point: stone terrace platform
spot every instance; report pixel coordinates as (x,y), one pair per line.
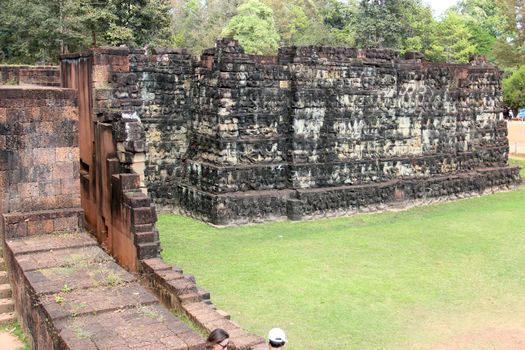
(76,297)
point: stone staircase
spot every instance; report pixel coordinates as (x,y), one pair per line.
(7,306)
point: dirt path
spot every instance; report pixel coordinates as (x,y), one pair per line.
(10,342)
(516,137)
(486,339)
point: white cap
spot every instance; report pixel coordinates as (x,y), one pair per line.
(276,335)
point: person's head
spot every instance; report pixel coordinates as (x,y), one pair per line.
(276,338)
(218,340)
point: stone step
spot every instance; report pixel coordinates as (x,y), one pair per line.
(144,237)
(5,291)
(3,277)
(6,305)
(7,318)
(204,294)
(189,298)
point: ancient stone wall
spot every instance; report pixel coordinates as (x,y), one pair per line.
(34,75)
(237,138)
(120,101)
(38,161)
(164,81)
(112,154)
(320,130)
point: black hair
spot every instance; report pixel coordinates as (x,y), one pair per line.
(217,336)
(276,344)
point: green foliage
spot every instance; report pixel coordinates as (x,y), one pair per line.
(484,22)
(134,22)
(420,29)
(509,48)
(454,40)
(38,30)
(291,17)
(254,27)
(380,24)
(404,25)
(394,280)
(59,299)
(198,24)
(514,89)
(66,289)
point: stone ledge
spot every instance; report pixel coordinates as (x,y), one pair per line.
(18,225)
(259,206)
(76,297)
(34,92)
(50,243)
(179,291)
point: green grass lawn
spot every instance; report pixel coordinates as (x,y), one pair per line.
(395,280)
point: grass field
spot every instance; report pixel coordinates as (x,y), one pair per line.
(449,276)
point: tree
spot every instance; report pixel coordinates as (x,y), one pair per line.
(198,24)
(254,27)
(38,30)
(330,22)
(380,24)
(485,23)
(514,89)
(132,22)
(35,31)
(292,17)
(453,40)
(509,48)
(420,29)
(397,24)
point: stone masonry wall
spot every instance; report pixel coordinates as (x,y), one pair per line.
(122,96)
(319,130)
(112,154)
(34,75)
(38,161)
(164,80)
(237,138)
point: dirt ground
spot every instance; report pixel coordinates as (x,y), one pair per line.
(516,137)
(10,342)
(487,339)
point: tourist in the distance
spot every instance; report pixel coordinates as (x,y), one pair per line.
(506,113)
(276,338)
(218,340)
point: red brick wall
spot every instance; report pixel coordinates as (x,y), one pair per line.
(39,168)
(117,209)
(35,75)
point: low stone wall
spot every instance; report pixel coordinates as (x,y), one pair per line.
(71,295)
(33,75)
(180,292)
(18,225)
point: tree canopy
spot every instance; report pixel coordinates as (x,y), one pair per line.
(514,89)
(37,30)
(254,27)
